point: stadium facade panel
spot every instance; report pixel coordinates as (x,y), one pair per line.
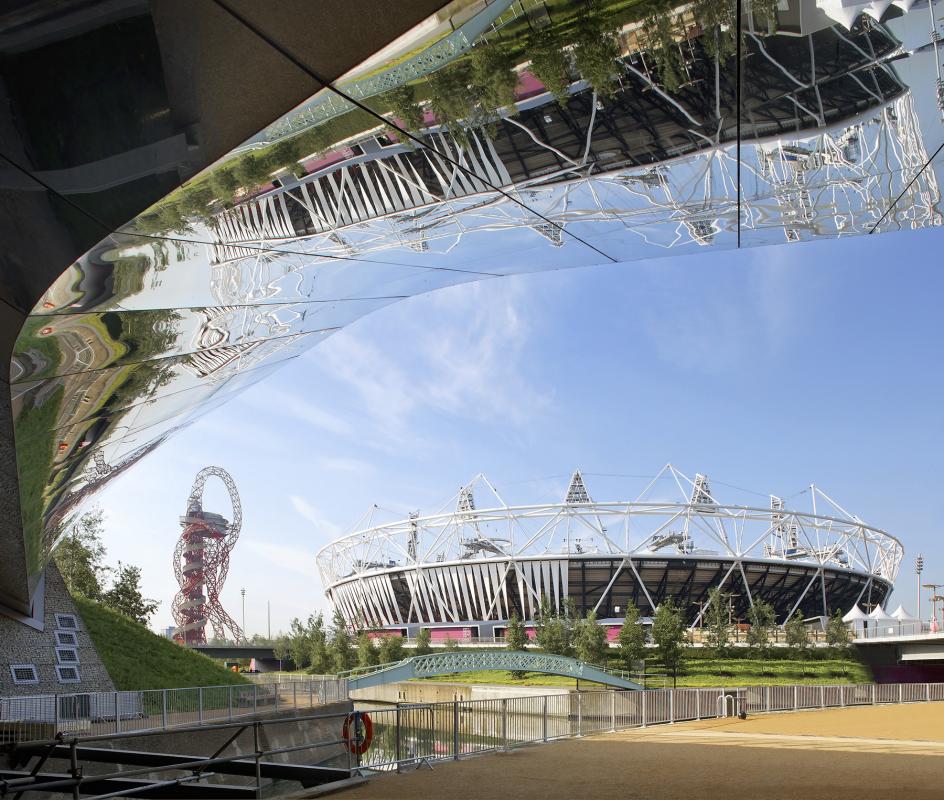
(472,568)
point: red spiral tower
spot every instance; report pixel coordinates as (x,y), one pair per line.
(201,563)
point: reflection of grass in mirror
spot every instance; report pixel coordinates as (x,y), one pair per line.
(35,450)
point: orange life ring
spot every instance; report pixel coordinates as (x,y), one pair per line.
(358,732)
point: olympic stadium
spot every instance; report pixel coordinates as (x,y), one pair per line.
(463,572)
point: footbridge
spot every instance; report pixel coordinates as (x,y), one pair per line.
(427,666)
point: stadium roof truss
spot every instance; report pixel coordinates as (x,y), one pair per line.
(527,544)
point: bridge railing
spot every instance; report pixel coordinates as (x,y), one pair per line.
(893,628)
(97,713)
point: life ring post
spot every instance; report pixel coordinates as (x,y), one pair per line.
(358,733)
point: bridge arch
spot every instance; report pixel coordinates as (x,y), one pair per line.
(432,664)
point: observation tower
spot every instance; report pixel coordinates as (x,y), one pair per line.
(201,563)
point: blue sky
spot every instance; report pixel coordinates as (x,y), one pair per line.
(765,368)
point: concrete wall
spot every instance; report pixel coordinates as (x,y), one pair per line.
(25,644)
(436,692)
(288,731)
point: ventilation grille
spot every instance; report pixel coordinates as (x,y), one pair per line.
(67,655)
(24,674)
(66,639)
(66,674)
(67,621)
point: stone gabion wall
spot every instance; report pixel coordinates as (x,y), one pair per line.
(22,644)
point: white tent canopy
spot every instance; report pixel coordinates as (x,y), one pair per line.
(853,614)
(902,615)
(878,614)
(846,12)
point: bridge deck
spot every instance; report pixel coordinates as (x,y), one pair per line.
(427,666)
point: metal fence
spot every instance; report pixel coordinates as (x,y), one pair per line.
(883,629)
(96,713)
(417,733)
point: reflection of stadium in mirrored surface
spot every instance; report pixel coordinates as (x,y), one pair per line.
(223,281)
(471,567)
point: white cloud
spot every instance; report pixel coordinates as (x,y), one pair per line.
(285,557)
(306,510)
(458,351)
(743,310)
(342,464)
(286,404)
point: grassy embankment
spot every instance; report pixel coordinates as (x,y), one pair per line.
(136,658)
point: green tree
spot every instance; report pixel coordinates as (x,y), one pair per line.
(307,644)
(664,30)
(343,656)
(423,643)
(195,199)
(761,616)
(224,183)
(553,630)
(281,647)
(590,644)
(391,649)
(668,632)
(401,103)
(453,101)
(516,639)
(838,634)
(367,655)
(125,595)
(80,556)
(452,644)
(596,50)
(631,639)
(493,77)
(252,171)
(549,62)
(715,617)
(283,155)
(319,656)
(798,637)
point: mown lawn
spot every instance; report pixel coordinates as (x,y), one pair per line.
(138,659)
(756,672)
(704,672)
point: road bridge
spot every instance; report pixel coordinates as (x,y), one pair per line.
(266,660)
(427,666)
(900,653)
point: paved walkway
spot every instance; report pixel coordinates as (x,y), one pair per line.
(887,752)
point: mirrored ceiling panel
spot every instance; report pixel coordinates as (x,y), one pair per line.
(497,138)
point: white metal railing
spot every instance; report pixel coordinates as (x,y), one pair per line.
(893,628)
(96,713)
(425,732)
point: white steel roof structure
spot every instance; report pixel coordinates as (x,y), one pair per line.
(484,560)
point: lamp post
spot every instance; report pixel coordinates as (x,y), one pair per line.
(919,568)
(243,593)
(935,597)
